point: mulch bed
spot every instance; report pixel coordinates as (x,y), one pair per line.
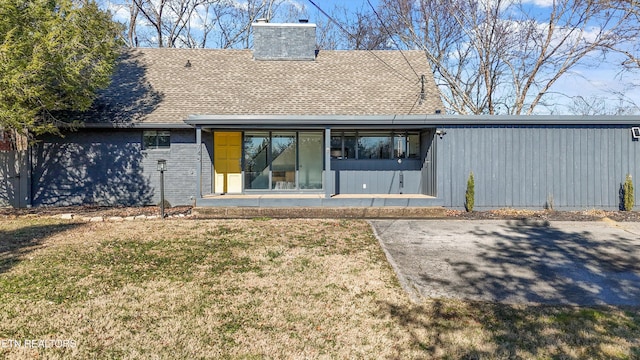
(88,210)
(550,215)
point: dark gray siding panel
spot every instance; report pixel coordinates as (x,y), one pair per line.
(109,167)
(377,182)
(530,167)
(14,178)
(377,176)
(428,148)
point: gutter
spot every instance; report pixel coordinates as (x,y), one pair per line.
(377,121)
(134,126)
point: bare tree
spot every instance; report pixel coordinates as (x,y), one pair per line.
(498,56)
(630,51)
(168,18)
(342,29)
(199,23)
(235,24)
(328,34)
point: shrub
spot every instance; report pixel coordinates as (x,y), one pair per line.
(470,195)
(550,204)
(627,194)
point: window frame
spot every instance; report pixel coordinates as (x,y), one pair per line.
(156,135)
(408,138)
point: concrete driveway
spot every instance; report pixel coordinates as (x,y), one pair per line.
(526,262)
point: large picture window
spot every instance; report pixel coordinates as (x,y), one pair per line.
(375,145)
(152,139)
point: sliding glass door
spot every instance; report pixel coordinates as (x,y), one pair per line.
(283,160)
(256,160)
(310,160)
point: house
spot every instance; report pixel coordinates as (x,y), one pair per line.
(251,122)
(287,125)
(14,174)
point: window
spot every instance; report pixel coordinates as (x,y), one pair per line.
(310,160)
(399,146)
(343,145)
(375,145)
(350,145)
(406,146)
(256,160)
(156,139)
(283,160)
(413,146)
(336,147)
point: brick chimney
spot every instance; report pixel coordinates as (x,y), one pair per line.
(273,41)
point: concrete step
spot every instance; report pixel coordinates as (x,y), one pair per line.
(387,212)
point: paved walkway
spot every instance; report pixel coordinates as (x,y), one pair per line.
(527,262)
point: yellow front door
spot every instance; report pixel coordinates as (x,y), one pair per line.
(227,150)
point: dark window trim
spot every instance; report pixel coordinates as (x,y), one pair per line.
(156,143)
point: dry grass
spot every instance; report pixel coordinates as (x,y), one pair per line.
(259,289)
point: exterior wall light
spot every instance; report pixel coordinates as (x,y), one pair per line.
(162,165)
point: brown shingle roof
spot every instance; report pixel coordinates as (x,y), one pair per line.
(155,86)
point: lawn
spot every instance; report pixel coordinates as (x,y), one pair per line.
(260,288)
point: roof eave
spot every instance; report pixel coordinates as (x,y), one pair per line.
(136,125)
(426,121)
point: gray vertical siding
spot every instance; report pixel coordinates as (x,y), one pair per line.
(379,176)
(428,177)
(575,167)
(14,178)
(109,167)
(527,166)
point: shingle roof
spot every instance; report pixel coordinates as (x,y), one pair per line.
(155,86)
